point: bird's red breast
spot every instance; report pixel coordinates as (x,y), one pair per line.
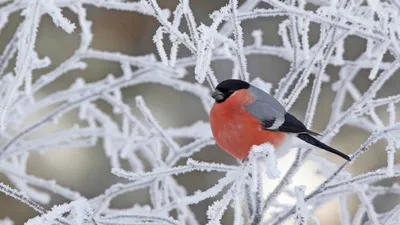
(235,130)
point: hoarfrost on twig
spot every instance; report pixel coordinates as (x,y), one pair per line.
(152,152)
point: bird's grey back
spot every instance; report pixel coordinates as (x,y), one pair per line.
(266,108)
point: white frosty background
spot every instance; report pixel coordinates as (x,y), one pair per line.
(117,26)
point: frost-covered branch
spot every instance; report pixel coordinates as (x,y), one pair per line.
(149,156)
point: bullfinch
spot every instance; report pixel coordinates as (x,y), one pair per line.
(244,115)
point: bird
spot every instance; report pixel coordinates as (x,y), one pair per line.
(243,115)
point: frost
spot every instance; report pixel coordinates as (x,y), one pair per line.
(6,221)
(262,85)
(302,213)
(152,154)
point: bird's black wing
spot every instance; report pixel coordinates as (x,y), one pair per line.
(292,125)
(273,115)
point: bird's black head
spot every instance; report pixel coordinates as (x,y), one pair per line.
(227,87)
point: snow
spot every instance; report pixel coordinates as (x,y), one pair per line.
(139,131)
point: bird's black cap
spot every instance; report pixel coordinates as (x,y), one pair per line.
(227,87)
(232,85)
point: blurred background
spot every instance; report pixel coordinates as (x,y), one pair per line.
(88,170)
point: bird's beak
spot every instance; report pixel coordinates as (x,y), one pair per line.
(218,96)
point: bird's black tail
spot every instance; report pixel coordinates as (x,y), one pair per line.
(311,140)
(313,133)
